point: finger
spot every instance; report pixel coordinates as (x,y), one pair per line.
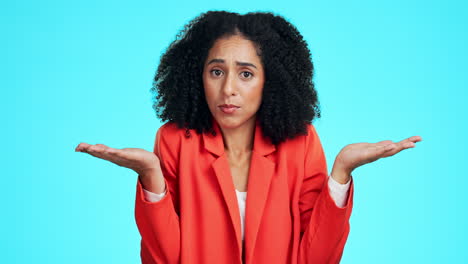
(382,149)
(409,142)
(415,139)
(105,152)
(95,150)
(109,153)
(82,147)
(384,146)
(394,148)
(385,142)
(388,148)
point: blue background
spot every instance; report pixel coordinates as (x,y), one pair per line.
(80,71)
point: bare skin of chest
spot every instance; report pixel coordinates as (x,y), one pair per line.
(239,166)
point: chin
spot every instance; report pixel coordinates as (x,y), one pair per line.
(231,122)
(226,123)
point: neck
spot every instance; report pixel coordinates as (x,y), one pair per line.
(239,140)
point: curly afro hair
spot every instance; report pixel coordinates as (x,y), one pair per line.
(289,100)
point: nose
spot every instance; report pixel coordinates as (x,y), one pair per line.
(229,86)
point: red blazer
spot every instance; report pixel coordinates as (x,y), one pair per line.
(290,216)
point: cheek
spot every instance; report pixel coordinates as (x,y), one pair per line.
(254,101)
(256,94)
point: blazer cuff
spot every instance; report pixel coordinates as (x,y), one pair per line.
(153,197)
(149,198)
(330,202)
(339,192)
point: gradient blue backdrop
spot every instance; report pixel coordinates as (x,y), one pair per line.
(81,72)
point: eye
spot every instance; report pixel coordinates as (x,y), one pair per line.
(216,72)
(246,74)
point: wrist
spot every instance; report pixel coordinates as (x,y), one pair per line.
(152,181)
(340,175)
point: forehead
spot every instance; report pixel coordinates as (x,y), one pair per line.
(234,47)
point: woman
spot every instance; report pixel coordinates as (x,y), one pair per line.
(237,91)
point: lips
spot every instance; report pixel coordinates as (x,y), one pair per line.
(228,105)
(228,108)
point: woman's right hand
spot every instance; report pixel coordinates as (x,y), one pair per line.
(143,162)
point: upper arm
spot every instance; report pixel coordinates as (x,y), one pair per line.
(315,175)
(324,226)
(166,147)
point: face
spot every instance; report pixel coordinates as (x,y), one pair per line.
(233,80)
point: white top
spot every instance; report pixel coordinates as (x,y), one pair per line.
(338,191)
(241,197)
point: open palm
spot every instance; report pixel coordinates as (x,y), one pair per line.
(358,154)
(139,160)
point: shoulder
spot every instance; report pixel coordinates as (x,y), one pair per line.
(172,143)
(302,147)
(312,135)
(309,137)
(314,152)
(171,137)
(170,130)
(168,139)
(312,139)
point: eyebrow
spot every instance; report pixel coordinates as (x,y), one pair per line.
(239,63)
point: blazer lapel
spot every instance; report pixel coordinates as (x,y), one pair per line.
(260,173)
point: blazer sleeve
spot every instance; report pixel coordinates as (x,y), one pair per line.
(324,225)
(158,222)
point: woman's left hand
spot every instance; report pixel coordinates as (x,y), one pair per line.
(355,155)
